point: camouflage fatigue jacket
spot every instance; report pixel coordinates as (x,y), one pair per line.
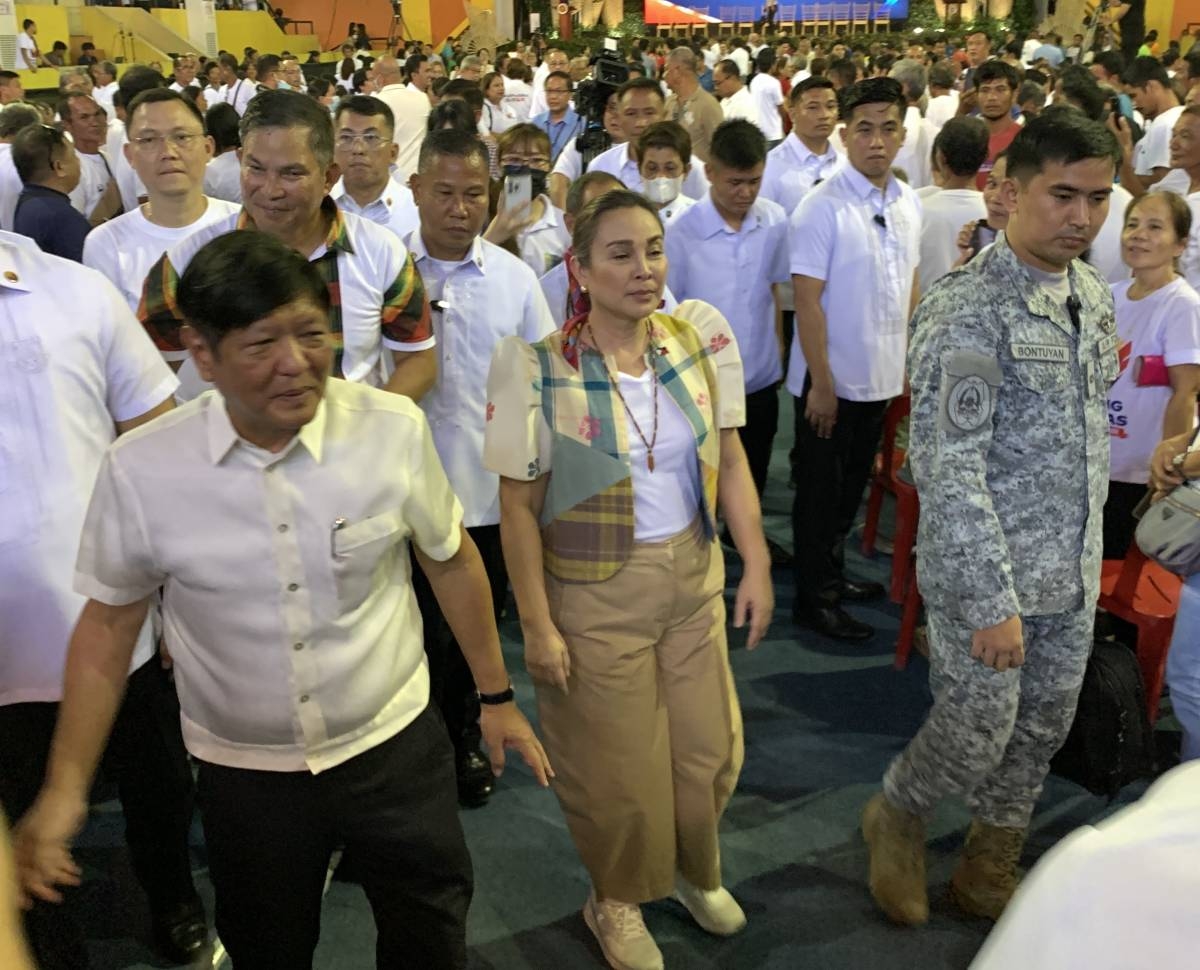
(1009,439)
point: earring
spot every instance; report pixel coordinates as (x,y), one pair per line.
(583,289)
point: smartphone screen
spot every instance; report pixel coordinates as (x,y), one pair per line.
(518,191)
(984,235)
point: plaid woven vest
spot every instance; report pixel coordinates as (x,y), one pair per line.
(588,517)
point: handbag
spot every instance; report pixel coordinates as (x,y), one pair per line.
(1169,530)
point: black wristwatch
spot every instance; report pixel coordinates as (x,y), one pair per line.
(502,698)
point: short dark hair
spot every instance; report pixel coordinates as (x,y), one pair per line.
(587,222)
(874,90)
(1080,87)
(157,96)
(366,106)
(1061,135)
(764,60)
(267,64)
(64,103)
(291,109)
(738,144)
(16,116)
(845,71)
(241,277)
(561,75)
(33,151)
(318,87)
(1143,70)
(940,76)
(666,134)
(222,120)
(997,71)
(1112,62)
(451,143)
(413,64)
(454,113)
(468,91)
(808,84)
(136,80)
(729,68)
(963,143)
(26,23)
(581,185)
(639,84)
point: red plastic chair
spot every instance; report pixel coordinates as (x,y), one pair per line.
(886,478)
(1143,593)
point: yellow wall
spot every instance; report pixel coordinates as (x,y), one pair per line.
(237,30)
(1160,13)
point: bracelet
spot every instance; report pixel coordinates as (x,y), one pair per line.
(503,697)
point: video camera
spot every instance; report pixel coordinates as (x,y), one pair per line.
(609,72)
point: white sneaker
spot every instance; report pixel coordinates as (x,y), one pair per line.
(714,909)
(623,937)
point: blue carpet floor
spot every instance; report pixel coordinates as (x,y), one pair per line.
(822,721)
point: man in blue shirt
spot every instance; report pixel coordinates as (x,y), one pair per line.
(49,170)
(1050,51)
(561,122)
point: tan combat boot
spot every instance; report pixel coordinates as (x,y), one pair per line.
(896,843)
(986,876)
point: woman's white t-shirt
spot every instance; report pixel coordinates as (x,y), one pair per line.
(1164,324)
(666,500)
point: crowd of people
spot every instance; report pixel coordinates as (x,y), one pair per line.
(357,357)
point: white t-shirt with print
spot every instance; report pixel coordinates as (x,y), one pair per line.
(1164,324)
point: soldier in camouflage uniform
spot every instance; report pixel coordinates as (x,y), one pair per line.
(1009,362)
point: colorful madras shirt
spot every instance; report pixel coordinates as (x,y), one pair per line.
(376,296)
(548,416)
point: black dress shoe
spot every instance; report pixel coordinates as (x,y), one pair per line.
(832,621)
(475,779)
(853,591)
(181,932)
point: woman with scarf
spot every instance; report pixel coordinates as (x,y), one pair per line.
(615,439)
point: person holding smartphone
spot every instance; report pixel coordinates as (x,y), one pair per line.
(1158,320)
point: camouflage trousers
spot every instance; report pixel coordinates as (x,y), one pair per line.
(990,736)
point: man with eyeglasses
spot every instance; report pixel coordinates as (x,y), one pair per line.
(559,121)
(169,151)
(538,230)
(49,171)
(364,151)
(736,99)
(555,61)
(379,315)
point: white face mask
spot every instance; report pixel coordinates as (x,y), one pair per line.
(662,191)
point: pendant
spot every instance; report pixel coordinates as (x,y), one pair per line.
(650,460)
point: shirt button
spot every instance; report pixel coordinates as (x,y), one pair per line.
(303,698)
(297,646)
(292,587)
(282,528)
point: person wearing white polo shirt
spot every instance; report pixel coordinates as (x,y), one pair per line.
(169,151)
(364,151)
(184,68)
(104,86)
(467,279)
(730,249)
(853,244)
(1148,161)
(379,314)
(278,513)
(410,111)
(736,99)
(807,156)
(768,97)
(235,89)
(640,103)
(77,380)
(133,82)
(959,149)
(538,232)
(223,173)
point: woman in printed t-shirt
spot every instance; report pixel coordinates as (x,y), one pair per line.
(616,442)
(1158,322)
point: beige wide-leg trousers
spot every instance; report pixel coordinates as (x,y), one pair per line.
(647,745)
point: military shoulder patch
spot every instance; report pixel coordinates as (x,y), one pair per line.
(969,383)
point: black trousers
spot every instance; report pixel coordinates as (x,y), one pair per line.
(147,760)
(1119,524)
(758,433)
(270,836)
(450,683)
(830,475)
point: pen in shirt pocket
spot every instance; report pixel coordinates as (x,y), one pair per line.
(338,524)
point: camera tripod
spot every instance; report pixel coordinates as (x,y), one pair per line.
(399,30)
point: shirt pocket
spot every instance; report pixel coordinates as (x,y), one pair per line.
(1042,377)
(362,553)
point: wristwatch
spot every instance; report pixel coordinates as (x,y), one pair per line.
(502,698)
